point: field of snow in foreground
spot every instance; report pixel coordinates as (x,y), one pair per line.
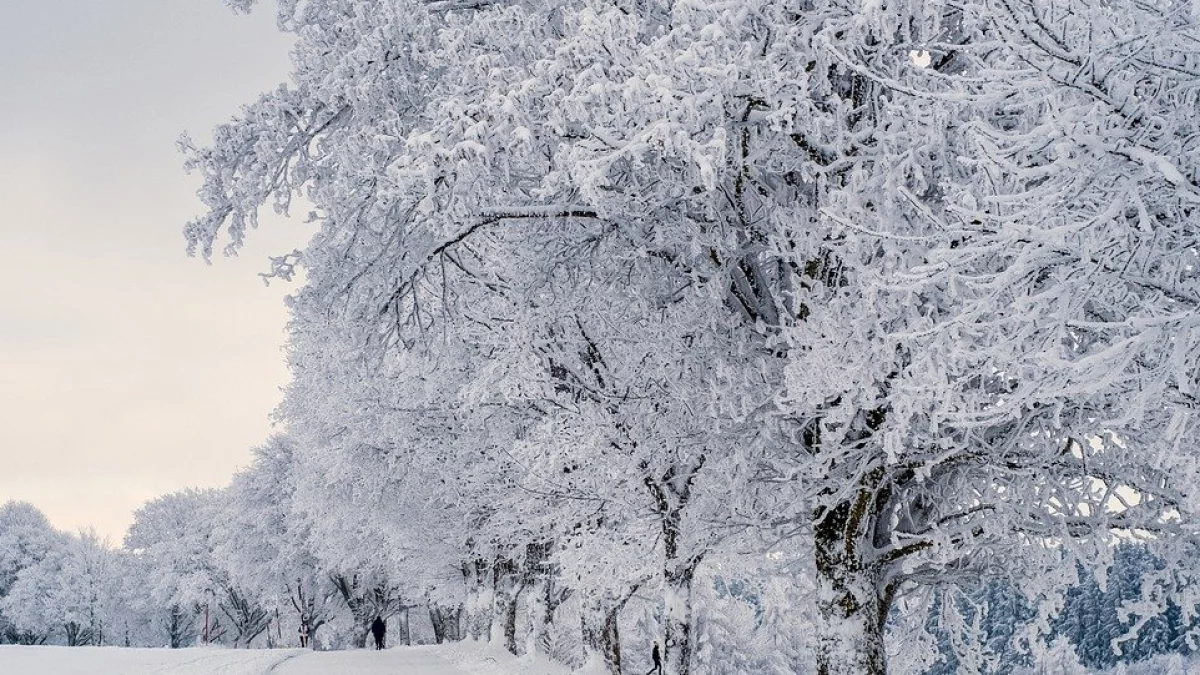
(464,658)
(19,660)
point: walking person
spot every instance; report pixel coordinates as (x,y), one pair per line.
(379,631)
(656,657)
(303,633)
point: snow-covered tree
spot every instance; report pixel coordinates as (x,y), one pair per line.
(265,543)
(26,538)
(937,261)
(138,620)
(176,535)
(167,535)
(72,591)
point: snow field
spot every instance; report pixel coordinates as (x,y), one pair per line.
(44,660)
(463,658)
(55,660)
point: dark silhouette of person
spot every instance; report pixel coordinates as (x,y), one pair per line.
(378,630)
(656,657)
(304,632)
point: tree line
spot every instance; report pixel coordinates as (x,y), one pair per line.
(183,578)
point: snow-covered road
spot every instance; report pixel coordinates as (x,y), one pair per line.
(15,660)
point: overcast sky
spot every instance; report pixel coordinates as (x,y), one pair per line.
(127,370)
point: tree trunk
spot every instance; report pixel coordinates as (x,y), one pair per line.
(364,605)
(247,618)
(404,629)
(508,587)
(73,632)
(850,613)
(447,622)
(308,612)
(849,637)
(362,629)
(362,615)
(544,596)
(478,606)
(179,626)
(540,620)
(601,634)
(672,493)
(437,618)
(677,592)
(451,619)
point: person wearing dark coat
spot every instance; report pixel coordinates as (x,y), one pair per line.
(378,630)
(656,657)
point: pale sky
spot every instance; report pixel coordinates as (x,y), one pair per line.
(127,369)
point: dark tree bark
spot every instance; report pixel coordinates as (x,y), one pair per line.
(601,631)
(851,614)
(508,586)
(181,627)
(438,620)
(364,604)
(310,615)
(454,623)
(248,619)
(446,622)
(672,492)
(545,595)
(602,635)
(77,634)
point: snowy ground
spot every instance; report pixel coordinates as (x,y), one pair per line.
(466,658)
(455,660)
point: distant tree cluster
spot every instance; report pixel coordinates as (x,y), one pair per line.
(184,578)
(757,330)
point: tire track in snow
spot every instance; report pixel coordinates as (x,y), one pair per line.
(280,662)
